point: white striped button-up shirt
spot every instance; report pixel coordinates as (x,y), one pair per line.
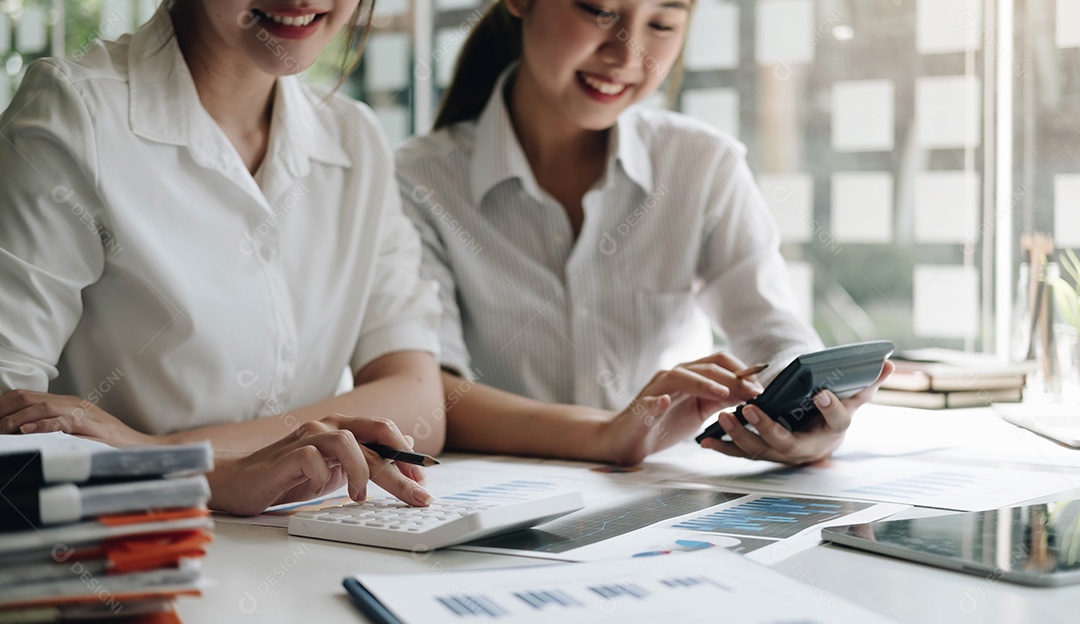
(676,232)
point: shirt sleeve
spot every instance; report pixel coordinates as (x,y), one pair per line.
(435,266)
(746,285)
(403,311)
(52,224)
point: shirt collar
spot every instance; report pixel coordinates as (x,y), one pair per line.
(165,106)
(304,135)
(634,157)
(498,154)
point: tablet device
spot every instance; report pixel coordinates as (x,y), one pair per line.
(1030,545)
(1055,422)
(789,399)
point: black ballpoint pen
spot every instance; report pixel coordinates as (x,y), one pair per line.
(408,457)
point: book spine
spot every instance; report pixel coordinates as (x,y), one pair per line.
(154,461)
(25,509)
(22,469)
(38,468)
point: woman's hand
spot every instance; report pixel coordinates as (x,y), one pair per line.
(673,405)
(382,431)
(25,411)
(318,458)
(775,443)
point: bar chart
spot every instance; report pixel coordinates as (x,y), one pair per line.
(581,529)
(511,491)
(771,516)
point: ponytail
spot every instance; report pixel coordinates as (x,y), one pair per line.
(493,45)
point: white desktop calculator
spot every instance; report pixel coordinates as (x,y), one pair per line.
(453,519)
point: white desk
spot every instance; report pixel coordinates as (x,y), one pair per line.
(263,575)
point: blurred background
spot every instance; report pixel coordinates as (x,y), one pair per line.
(909,149)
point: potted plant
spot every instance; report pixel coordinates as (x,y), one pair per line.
(1068,300)
(1068,295)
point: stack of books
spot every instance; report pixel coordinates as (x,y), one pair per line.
(96,532)
(941,378)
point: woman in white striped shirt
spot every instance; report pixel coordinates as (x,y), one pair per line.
(578,242)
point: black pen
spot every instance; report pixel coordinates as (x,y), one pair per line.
(368,604)
(750,372)
(408,457)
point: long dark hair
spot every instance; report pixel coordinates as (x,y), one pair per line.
(357,33)
(493,45)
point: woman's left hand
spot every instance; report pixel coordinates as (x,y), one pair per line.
(25,411)
(774,442)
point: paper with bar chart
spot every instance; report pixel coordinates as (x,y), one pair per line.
(702,587)
(914,482)
(652,521)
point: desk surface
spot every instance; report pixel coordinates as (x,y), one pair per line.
(261,574)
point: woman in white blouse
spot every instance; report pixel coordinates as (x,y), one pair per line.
(195,245)
(577,241)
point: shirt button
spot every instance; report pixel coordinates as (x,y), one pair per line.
(583,313)
(267,252)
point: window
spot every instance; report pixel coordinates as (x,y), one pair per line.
(903,147)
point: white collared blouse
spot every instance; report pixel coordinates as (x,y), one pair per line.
(143,268)
(676,231)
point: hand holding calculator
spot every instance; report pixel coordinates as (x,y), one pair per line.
(789,399)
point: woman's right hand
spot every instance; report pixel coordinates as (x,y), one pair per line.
(674,404)
(318,458)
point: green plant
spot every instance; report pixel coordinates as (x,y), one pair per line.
(1068,295)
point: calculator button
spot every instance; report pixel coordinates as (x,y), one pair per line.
(386,522)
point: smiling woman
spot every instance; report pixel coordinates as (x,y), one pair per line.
(260,254)
(607,232)
(496,43)
(274,24)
